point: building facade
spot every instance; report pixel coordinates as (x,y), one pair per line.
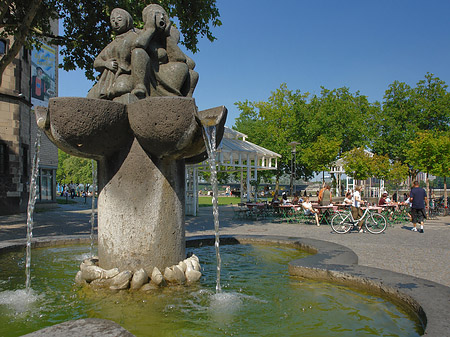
(18,131)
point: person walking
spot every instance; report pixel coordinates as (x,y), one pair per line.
(418,198)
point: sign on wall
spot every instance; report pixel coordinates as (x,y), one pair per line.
(43,75)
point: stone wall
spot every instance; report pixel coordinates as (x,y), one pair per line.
(17,136)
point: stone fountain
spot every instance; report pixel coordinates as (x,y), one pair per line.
(141,124)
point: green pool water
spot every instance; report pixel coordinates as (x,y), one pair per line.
(259,298)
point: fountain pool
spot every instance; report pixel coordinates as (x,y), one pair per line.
(259,298)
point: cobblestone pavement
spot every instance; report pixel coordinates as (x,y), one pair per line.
(398,249)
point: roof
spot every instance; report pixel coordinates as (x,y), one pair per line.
(235,152)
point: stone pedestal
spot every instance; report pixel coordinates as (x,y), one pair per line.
(141,213)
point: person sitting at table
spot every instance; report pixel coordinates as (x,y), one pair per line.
(275,198)
(284,199)
(357,212)
(383,199)
(296,200)
(325,196)
(309,210)
(388,200)
(348,199)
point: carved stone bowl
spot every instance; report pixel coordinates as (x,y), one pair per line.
(86,127)
(166,127)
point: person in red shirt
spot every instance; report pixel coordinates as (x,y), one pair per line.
(383,200)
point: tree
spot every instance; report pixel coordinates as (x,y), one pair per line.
(442,167)
(397,125)
(320,154)
(424,154)
(274,124)
(357,164)
(407,111)
(73,169)
(380,166)
(342,115)
(397,174)
(86,25)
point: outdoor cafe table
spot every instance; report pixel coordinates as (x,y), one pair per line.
(286,210)
(256,209)
(326,212)
(379,209)
(251,205)
(394,212)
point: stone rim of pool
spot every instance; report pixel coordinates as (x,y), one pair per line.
(334,263)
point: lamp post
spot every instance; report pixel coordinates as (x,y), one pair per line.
(293,166)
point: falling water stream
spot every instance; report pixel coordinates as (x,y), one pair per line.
(92,221)
(210,141)
(30,209)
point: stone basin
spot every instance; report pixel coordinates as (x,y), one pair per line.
(86,127)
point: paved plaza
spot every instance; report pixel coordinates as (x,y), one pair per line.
(398,249)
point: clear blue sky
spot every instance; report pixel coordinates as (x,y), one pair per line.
(363,45)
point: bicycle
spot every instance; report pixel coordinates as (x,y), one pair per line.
(343,222)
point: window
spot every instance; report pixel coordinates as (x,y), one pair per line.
(25,160)
(3,159)
(46,185)
(2,47)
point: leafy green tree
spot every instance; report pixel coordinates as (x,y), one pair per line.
(357,164)
(380,166)
(432,104)
(320,154)
(222,175)
(407,111)
(339,114)
(274,124)
(73,169)
(424,154)
(397,125)
(397,174)
(442,167)
(86,25)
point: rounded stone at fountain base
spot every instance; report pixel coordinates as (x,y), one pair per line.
(90,274)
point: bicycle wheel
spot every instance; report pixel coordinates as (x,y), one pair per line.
(375,223)
(440,211)
(341,223)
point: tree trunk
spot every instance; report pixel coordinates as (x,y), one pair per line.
(277,184)
(19,37)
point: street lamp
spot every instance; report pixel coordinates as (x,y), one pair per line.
(293,167)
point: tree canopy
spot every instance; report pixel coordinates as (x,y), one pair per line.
(339,123)
(86,25)
(73,169)
(408,110)
(325,125)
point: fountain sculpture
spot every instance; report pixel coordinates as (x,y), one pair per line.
(140,122)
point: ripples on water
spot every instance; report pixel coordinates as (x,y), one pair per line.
(259,298)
